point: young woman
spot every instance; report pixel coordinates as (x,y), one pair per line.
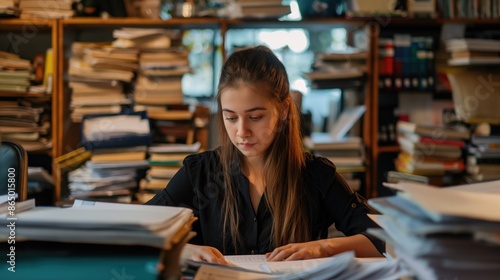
(259,192)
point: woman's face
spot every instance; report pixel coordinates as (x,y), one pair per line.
(250,119)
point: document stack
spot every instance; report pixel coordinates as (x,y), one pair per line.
(341,266)
(260,9)
(162,62)
(473,51)
(443,233)
(430,150)
(338,69)
(118,144)
(483,158)
(15,73)
(22,121)
(164,161)
(97,73)
(142,235)
(48,9)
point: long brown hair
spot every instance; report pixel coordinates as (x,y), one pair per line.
(283,160)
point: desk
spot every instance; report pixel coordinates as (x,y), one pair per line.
(64,261)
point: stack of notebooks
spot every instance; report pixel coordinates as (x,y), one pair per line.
(164,161)
(338,69)
(443,233)
(97,74)
(430,150)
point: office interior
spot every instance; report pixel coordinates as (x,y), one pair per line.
(393,91)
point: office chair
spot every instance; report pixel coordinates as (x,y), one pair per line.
(13,169)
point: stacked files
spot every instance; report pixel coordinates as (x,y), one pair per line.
(473,51)
(338,69)
(8,8)
(94,241)
(162,63)
(102,223)
(171,123)
(26,124)
(118,144)
(164,161)
(343,150)
(15,73)
(341,266)
(47,9)
(430,150)
(260,9)
(443,233)
(97,74)
(483,158)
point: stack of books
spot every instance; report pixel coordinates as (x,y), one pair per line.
(473,51)
(261,9)
(26,124)
(483,158)
(137,237)
(164,161)
(162,63)
(338,69)
(97,73)
(443,233)
(49,9)
(15,73)
(118,144)
(430,150)
(9,8)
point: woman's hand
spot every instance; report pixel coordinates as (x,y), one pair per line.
(360,244)
(203,253)
(301,251)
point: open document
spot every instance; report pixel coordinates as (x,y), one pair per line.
(341,266)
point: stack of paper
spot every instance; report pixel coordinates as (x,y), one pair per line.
(443,233)
(341,266)
(105,223)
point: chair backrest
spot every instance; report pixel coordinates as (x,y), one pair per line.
(14,169)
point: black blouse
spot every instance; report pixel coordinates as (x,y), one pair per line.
(199,185)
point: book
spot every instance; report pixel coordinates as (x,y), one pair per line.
(432,131)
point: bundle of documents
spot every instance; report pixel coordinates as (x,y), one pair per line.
(341,266)
(443,233)
(104,223)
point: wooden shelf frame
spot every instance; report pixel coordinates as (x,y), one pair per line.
(24,30)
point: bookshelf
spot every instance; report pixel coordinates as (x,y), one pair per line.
(384,154)
(30,38)
(59,34)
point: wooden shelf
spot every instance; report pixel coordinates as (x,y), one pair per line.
(29,26)
(388,149)
(140,22)
(23,94)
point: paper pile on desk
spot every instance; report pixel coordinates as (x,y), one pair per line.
(443,233)
(341,266)
(104,223)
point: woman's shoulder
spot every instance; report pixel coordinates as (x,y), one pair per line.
(209,157)
(318,163)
